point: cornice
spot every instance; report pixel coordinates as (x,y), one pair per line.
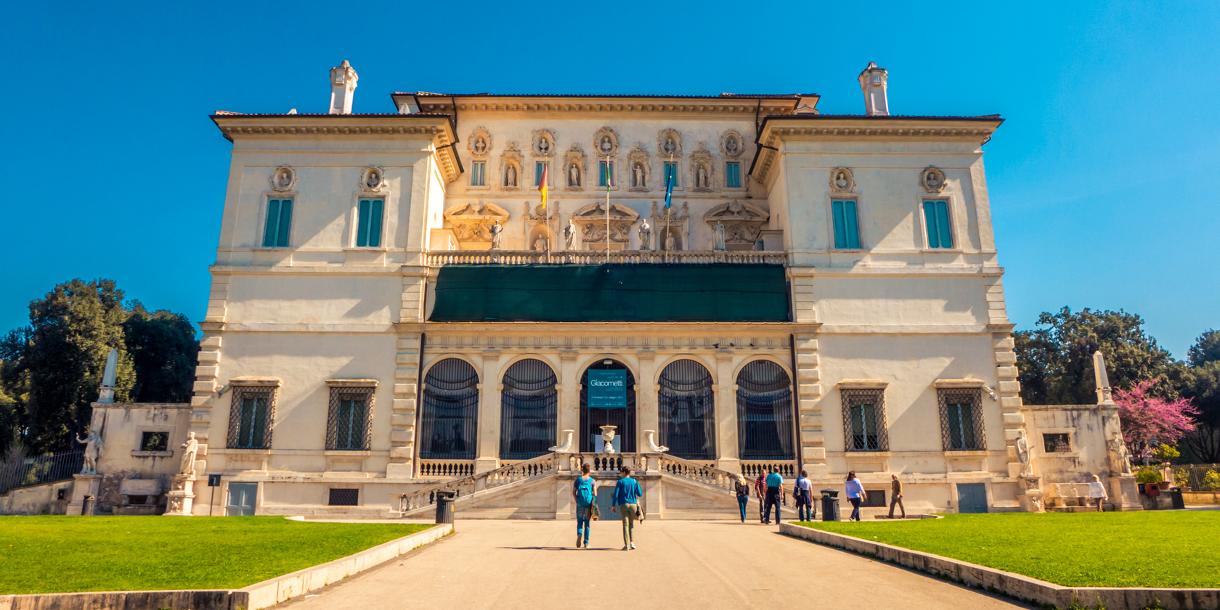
(746,107)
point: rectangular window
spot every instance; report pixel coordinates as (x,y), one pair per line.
(250,416)
(347,424)
(1058,442)
(368,223)
(539,168)
(847,229)
(670,170)
(344,497)
(279,221)
(154,441)
(961,419)
(478,173)
(936,218)
(732,174)
(864,419)
(605,173)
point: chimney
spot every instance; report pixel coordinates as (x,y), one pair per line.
(342,88)
(872,83)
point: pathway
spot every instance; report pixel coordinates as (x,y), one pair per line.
(679,564)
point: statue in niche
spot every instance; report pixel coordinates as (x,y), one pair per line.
(606,145)
(93,450)
(669,241)
(718,244)
(540,244)
(510,176)
(569,234)
(496,230)
(373,180)
(283,178)
(480,145)
(190,451)
(645,235)
(701,178)
(637,175)
(573,175)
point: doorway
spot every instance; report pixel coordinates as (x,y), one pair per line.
(602,412)
(242,497)
(971,498)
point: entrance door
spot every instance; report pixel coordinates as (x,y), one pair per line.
(241,499)
(971,498)
(612,403)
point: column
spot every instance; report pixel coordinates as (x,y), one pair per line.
(568,416)
(647,416)
(726,413)
(487,457)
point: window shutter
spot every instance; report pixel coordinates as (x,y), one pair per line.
(942,222)
(929,218)
(272,219)
(285,222)
(852,227)
(840,224)
(375,213)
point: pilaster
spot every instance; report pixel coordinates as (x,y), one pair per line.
(809,406)
(568,417)
(487,456)
(404,406)
(727,443)
(207,369)
(647,413)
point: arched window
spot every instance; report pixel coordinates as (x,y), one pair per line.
(685,402)
(450,413)
(593,418)
(527,410)
(764,412)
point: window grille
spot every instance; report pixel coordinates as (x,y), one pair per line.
(864,423)
(349,418)
(961,419)
(154,441)
(764,412)
(344,497)
(528,408)
(685,402)
(449,420)
(251,415)
(1057,442)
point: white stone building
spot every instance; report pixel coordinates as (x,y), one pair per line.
(392,309)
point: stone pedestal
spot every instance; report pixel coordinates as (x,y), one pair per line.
(1031,497)
(84,485)
(181,498)
(1124,493)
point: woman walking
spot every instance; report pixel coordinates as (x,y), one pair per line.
(583,492)
(743,496)
(855,494)
(627,495)
(1097,493)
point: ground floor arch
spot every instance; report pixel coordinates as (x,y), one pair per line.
(764,412)
(592,418)
(528,405)
(686,410)
(449,418)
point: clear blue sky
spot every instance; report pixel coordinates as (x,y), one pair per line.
(1103,179)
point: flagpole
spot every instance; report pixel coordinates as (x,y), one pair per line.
(546,211)
(668,197)
(609,182)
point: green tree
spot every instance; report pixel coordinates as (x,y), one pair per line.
(164,351)
(1206,349)
(1203,445)
(1056,357)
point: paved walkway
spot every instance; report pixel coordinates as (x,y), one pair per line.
(679,564)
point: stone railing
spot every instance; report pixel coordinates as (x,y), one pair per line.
(472,484)
(592,257)
(604,463)
(445,469)
(752,468)
(704,472)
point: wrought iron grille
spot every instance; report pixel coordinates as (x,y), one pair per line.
(591,420)
(251,417)
(350,417)
(686,402)
(961,419)
(344,497)
(528,405)
(864,422)
(764,412)
(449,421)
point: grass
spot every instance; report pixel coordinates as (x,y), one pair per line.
(68,554)
(1178,549)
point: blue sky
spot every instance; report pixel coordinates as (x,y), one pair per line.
(1103,180)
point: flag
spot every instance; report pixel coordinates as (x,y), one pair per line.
(542,184)
(669,184)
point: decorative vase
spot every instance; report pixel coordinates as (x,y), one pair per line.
(608,438)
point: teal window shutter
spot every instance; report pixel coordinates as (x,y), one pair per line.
(279,221)
(846,226)
(375,214)
(604,173)
(936,217)
(362,224)
(285,222)
(840,224)
(671,170)
(732,174)
(368,223)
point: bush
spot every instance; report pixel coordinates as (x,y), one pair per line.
(1148,475)
(1166,453)
(1211,481)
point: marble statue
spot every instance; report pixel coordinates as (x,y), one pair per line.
(573,175)
(567,445)
(653,447)
(1120,458)
(480,145)
(719,244)
(637,175)
(569,234)
(701,177)
(190,451)
(645,235)
(540,244)
(669,241)
(496,230)
(93,450)
(1023,452)
(607,144)
(510,176)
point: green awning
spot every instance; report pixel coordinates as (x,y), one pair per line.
(611,293)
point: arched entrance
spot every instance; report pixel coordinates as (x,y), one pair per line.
(593,417)
(764,412)
(527,410)
(449,419)
(685,404)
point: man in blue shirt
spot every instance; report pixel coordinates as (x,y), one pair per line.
(775,486)
(627,496)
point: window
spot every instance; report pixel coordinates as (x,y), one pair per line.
(279,221)
(368,223)
(732,174)
(347,422)
(670,172)
(685,402)
(154,441)
(961,419)
(1057,442)
(528,408)
(875,498)
(936,218)
(847,230)
(764,412)
(344,497)
(605,173)
(449,421)
(539,169)
(250,417)
(478,173)
(864,419)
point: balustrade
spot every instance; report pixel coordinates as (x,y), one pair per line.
(752,468)
(470,484)
(445,469)
(592,257)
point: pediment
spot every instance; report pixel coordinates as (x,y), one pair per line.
(736,211)
(476,212)
(597,211)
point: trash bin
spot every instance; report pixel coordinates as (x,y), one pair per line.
(830,505)
(444,506)
(1175,496)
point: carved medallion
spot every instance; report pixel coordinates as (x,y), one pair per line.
(669,144)
(479,143)
(372,179)
(605,142)
(544,143)
(932,179)
(842,180)
(731,144)
(283,178)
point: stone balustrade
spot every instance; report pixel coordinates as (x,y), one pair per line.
(469,484)
(752,468)
(700,471)
(593,257)
(445,469)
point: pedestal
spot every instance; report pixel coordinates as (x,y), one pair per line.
(399,470)
(1031,497)
(1124,493)
(84,486)
(182,497)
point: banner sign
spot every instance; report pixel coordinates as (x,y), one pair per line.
(607,389)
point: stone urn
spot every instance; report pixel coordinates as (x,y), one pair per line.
(608,438)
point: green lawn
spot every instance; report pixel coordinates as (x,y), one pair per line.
(64,554)
(1127,549)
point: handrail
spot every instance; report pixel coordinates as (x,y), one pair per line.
(439,258)
(466,486)
(37,470)
(699,472)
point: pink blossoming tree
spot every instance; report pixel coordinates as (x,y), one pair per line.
(1149,420)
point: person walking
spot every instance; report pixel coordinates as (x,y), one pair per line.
(760,490)
(802,494)
(627,496)
(1097,493)
(743,496)
(896,496)
(584,491)
(855,494)
(775,487)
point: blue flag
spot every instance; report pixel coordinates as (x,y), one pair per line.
(669,184)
